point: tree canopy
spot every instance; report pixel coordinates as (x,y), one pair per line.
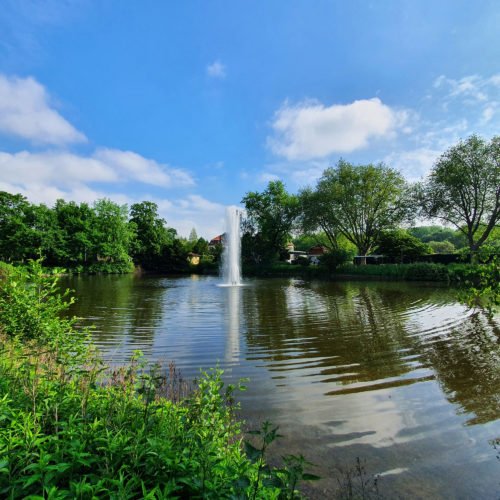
(358,202)
(270,216)
(463,189)
(101,237)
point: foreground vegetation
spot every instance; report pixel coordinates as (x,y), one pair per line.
(70,428)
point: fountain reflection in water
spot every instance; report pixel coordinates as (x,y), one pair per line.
(232,353)
(231,258)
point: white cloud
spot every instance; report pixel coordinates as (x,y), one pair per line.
(311,130)
(134,166)
(216,70)
(106,165)
(25,112)
(488,113)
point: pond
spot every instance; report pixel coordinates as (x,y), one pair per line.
(400,375)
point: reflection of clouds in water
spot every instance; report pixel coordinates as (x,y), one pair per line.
(435,320)
(373,418)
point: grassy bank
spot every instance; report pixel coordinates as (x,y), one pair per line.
(452,273)
(71,428)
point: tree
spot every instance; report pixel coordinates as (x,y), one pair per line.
(201,246)
(270,216)
(359,202)
(75,224)
(463,189)
(427,234)
(111,233)
(401,245)
(442,246)
(42,236)
(13,227)
(193,236)
(316,216)
(151,234)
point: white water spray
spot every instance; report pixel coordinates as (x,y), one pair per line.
(231,258)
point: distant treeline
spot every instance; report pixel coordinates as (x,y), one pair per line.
(101,237)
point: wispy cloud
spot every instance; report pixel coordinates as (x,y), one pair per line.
(473,87)
(216,70)
(25,24)
(413,164)
(480,94)
(26,112)
(312,130)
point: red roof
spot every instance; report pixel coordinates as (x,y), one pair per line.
(318,250)
(217,240)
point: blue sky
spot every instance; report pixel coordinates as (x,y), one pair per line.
(192,104)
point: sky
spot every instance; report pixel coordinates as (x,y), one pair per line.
(193,104)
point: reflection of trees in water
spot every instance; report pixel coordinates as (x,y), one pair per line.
(360,334)
(467,364)
(124,309)
(350,328)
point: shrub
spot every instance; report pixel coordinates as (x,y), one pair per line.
(336,258)
(401,245)
(442,246)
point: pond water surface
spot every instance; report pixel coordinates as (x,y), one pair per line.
(400,375)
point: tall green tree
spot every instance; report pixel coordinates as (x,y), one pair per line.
(317,217)
(14,227)
(151,234)
(270,216)
(358,202)
(463,189)
(75,222)
(111,234)
(42,236)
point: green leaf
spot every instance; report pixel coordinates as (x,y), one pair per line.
(252,453)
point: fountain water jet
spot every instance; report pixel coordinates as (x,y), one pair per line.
(231,257)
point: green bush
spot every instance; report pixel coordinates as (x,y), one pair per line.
(336,258)
(410,272)
(111,268)
(401,245)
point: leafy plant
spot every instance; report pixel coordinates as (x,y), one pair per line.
(481,286)
(285,478)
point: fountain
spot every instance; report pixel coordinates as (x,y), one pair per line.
(231,258)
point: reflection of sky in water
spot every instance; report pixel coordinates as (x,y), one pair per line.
(395,373)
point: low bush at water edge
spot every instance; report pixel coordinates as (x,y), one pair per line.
(452,273)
